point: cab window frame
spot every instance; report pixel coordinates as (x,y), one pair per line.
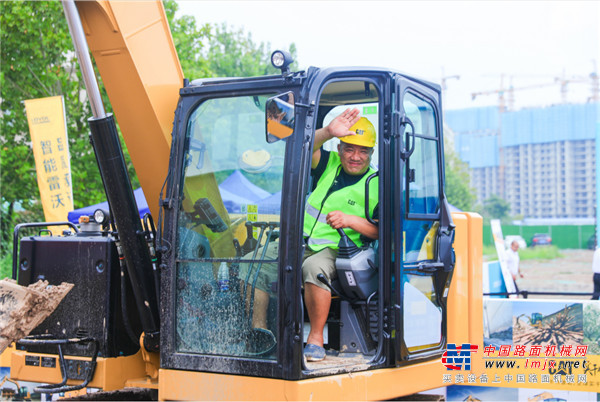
(413,216)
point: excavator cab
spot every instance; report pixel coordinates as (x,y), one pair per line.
(232,242)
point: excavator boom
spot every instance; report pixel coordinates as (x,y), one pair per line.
(133,48)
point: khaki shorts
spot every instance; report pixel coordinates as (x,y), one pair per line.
(321,262)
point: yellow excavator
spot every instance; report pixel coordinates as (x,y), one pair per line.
(164,305)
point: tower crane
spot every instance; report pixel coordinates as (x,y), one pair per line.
(503,103)
(508,104)
(591,79)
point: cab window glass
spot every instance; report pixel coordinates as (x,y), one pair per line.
(423,178)
(422,312)
(227,241)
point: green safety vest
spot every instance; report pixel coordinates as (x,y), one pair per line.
(350,200)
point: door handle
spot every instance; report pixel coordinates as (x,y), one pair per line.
(408,150)
(426,267)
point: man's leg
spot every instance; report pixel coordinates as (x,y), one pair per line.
(259,307)
(257,289)
(317,302)
(267,275)
(317,296)
(596,295)
(514,277)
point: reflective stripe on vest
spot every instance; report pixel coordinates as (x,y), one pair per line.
(318,244)
(350,200)
(315,213)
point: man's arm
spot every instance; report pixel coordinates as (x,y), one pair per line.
(339,127)
(339,219)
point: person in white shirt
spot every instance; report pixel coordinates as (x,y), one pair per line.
(596,269)
(512,262)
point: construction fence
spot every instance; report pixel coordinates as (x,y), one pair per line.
(563,236)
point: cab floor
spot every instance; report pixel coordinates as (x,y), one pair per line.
(342,362)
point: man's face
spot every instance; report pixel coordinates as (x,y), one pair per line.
(514,246)
(354,159)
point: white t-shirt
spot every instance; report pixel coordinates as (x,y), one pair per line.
(596,261)
(512,261)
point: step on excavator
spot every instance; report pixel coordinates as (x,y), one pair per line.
(165,304)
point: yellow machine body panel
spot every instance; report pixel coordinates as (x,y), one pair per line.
(367,385)
(465,300)
(110,374)
(133,48)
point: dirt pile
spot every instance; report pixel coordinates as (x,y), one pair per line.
(24,308)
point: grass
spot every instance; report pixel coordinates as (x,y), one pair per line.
(540,253)
(530,253)
(489,252)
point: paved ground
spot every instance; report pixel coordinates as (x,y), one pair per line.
(571,273)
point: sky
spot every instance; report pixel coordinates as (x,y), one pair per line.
(480,46)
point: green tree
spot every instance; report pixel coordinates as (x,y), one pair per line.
(458,188)
(38,61)
(217,50)
(496,207)
(233,53)
(189,41)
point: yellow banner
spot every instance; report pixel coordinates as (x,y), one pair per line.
(47,125)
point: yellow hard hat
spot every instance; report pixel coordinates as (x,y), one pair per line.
(365,134)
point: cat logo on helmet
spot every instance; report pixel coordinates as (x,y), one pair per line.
(365,134)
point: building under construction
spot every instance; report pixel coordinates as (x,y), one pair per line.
(541,160)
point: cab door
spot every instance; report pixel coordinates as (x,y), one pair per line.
(423,234)
(227,241)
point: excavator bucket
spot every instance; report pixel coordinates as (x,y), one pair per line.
(24,308)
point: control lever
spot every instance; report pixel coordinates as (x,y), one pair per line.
(238,248)
(250,243)
(347,248)
(205,213)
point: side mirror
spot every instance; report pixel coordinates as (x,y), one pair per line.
(280,117)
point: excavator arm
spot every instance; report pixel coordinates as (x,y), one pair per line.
(133,49)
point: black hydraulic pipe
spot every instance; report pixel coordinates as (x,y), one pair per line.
(113,170)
